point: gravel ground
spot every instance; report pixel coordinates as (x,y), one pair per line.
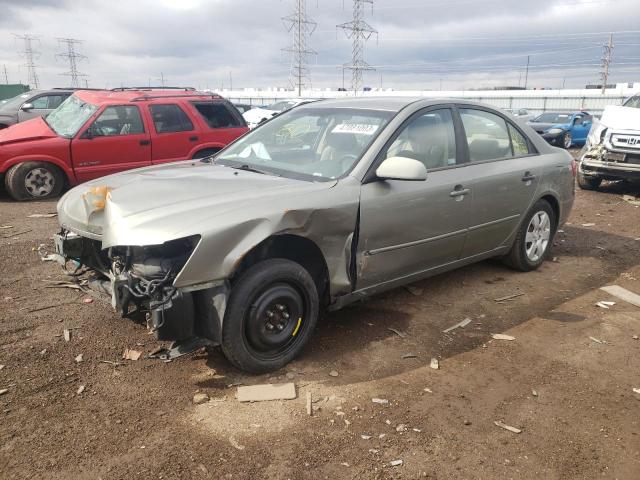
(138,420)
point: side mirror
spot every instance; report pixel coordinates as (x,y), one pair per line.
(402,168)
(26,107)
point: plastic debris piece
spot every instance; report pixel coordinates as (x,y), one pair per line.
(588,224)
(623,294)
(266,392)
(395,463)
(365,437)
(381,401)
(507,427)
(333,373)
(434,364)
(461,324)
(428,390)
(3,391)
(398,332)
(502,336)
(130,354)
(200,398)
(66,333)
(636,390)
(42,215)
(79,358)
(234,443)
(80,389)
(594,339)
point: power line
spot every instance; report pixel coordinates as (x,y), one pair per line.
(30,54)
(359,31)
(73,57)
(301,27)
(607,53)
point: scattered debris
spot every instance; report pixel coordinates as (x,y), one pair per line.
(365,437)
(461,324)
(235,444)
(434,364)
(636,390)
(115,364)
(4,227)
(502,336)
(66,333)
(3,391)
(605,305)
(87,300)
(402,428)
(333,373)
(534,393)
(415,291)
(428,390)
(635,201)
(588,224)
(309,404)
(80,389)
(373,450)
(395,463)
(200,398)
(398,332)
(1,367)
(409,355)
(623,294)
(381,401)
(593,339)
(467,422)
(130,354)
(43,351)
(635,337)
(508,297)
(260,393)
(417,430)
(42,215)
(507,427)
(79,358)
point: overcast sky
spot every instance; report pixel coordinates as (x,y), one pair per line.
(422,44)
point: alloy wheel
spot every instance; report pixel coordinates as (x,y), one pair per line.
(538,235)
(39,182)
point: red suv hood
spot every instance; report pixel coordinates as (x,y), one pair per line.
(34,129)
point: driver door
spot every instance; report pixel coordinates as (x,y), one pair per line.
(410,227)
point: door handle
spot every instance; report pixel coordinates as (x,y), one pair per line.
(193,139)
(459,191)
(528,177)
(145,142)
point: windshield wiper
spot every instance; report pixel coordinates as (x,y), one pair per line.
(247,168)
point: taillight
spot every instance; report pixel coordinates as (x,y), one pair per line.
(574,167)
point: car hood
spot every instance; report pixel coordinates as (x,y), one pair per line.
(156,204)
(621,118)
(34,129)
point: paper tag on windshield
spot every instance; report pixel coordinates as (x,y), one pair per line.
(359,128)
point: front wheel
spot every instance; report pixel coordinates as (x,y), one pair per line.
(272,312)
(34,181)
(534,238)
(567,140)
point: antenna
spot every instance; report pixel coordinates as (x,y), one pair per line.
(301,27)
(359,32)
(73,57)
(607,53)
(29,55)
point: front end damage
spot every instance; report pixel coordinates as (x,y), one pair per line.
(139,280)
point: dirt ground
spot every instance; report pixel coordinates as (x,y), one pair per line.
(138,419)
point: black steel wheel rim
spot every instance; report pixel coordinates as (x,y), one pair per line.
(274,320)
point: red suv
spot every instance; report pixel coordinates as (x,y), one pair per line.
(99,132)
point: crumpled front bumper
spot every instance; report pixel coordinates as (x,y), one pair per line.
(598,161)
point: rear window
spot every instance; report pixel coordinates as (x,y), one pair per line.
(217,115)
(170,118)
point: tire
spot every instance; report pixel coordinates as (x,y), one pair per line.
(532,244)
(271,314)
(567,141)
(34,181)
(588,183)
(205,153)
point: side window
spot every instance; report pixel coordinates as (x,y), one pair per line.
(118,120)
(487,135)
(56,100)
(217,115)
(429,138)
(577,121)
(520,145)
(40,103)
(170,118)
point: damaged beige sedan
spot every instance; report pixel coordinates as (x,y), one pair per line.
(322,206)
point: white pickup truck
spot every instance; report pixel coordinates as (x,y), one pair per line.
(612,151)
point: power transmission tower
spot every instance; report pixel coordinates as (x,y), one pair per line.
(301,27)
(73,57)
(359,31)
(30,55)
(607,54)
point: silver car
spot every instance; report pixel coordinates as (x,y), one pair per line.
(28,105)
(317,208)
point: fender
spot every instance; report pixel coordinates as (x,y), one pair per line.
(69,173)
(204,146)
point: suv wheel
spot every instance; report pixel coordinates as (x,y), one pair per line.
(272,312)
(534,238)
(34,181)
(588,183)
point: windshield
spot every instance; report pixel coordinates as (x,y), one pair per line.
(281,106)
(72,114)
(553,118)
(633,102)
(14,103)
(312,144)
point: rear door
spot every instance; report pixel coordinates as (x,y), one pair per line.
(222,122)
(117,140)
(409,227)
(505,169)
(175,135)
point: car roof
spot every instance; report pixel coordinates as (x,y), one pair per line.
(390,104)
(119,96)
